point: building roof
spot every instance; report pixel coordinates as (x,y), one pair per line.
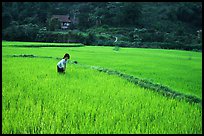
(62,18)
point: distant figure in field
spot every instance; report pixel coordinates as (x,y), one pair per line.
(61,65)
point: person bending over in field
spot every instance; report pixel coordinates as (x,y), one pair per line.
(61,65)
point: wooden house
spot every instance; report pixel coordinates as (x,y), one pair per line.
(64,20)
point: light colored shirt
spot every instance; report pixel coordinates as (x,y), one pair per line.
(62,63)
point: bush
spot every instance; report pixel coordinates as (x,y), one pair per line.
(124,44)
(152,37)
(17,32)
(103,42)
(116,48)
(90,39)
(105,26)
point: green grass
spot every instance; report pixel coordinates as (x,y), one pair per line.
(36,99)
(178,70)
(38,44)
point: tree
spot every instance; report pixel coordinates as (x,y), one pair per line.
(113,16)
(131,13)
(6,20)
(54,24)
(84,15)
(190,13)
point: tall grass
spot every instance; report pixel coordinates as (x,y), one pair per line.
(36,99)
(171,68)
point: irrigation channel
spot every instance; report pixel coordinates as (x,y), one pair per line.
(164,90)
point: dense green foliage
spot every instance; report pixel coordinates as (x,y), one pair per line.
(101,13)
(169,25)
(36,99)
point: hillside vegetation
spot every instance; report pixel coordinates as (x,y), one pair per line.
(168,25)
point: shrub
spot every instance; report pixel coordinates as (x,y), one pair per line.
(18,32)
(124,44)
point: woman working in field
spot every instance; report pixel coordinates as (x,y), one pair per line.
(61,65)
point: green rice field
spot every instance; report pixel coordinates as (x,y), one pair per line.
(38,100)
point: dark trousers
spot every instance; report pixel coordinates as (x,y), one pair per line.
(60,70)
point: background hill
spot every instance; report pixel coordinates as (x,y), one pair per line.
(172,25)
